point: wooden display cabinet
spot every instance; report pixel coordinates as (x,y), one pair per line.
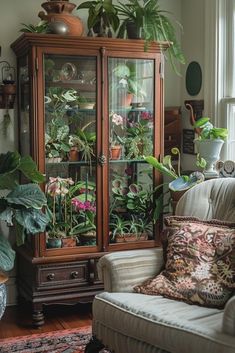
(78,98)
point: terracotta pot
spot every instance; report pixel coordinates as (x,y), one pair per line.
(9,88)
(73,154)
(175,196)
(115,152)
(68,242)
(129,238)
(125,99)
(60,11)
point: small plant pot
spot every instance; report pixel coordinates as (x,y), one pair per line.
(73,155)
(68,242)
(9,88)
(53,160)
(130,238)
(88,238)
(53,243)
(115,152)
(86,105)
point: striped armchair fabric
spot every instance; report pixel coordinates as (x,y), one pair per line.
(128,322)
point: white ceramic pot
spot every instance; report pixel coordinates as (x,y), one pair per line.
(210,151)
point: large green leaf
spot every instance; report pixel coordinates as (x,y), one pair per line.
(29,168)
(27,195)
(160,167)
(33,221)
(9,162)
(7,216)
(7,254)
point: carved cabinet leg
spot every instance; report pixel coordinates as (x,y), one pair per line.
(38,316)
(94,346)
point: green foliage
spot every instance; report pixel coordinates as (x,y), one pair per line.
(23,204)
(153,24)
(41,27)
(208,131)
(101,14)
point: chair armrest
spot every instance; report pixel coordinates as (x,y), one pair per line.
(229,317)
(121,271)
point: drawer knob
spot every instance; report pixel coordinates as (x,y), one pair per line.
(51,276)
(74,274)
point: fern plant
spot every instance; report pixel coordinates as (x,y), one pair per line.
(152,24)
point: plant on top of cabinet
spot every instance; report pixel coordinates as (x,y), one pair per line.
(102,17)
(150,23)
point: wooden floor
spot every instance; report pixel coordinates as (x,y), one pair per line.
(17,320)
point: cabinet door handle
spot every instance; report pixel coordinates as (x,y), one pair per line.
(102,160)
(51,276)
(74,274)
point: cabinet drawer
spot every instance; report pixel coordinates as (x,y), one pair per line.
(63,274)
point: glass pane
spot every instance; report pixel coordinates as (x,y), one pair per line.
(70,148)
(130,138)
(24,90)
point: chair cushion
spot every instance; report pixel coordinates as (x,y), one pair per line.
(122,319)
(200,265)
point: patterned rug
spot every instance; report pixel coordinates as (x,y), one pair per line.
(65,341)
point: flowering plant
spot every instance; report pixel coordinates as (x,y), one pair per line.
(72,206)
(117,124)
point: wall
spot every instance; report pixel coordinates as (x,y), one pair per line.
(193,48)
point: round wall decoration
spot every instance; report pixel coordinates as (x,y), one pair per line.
(193,78)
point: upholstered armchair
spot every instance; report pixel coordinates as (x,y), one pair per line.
(129,322)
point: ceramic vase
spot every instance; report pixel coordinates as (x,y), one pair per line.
(210,151)
(61,11)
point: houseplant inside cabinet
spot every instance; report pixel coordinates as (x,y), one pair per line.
(83,192)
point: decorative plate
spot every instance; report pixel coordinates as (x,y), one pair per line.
(68,72)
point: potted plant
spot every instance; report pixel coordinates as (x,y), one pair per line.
(209,143)
(102,17)
(85,102)
(179,183)
(126,84)
(84,140)
(116,140)
(56,141)
(138,142)
(58,103)
(72,209)
(21,206)
(151,24)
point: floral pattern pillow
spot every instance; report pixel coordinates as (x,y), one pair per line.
(200,262)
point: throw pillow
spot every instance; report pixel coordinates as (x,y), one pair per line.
(200,264)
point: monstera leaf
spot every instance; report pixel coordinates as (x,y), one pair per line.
(7,254)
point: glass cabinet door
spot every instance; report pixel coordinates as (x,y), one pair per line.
(70,149)
(24,107)
(131,131)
